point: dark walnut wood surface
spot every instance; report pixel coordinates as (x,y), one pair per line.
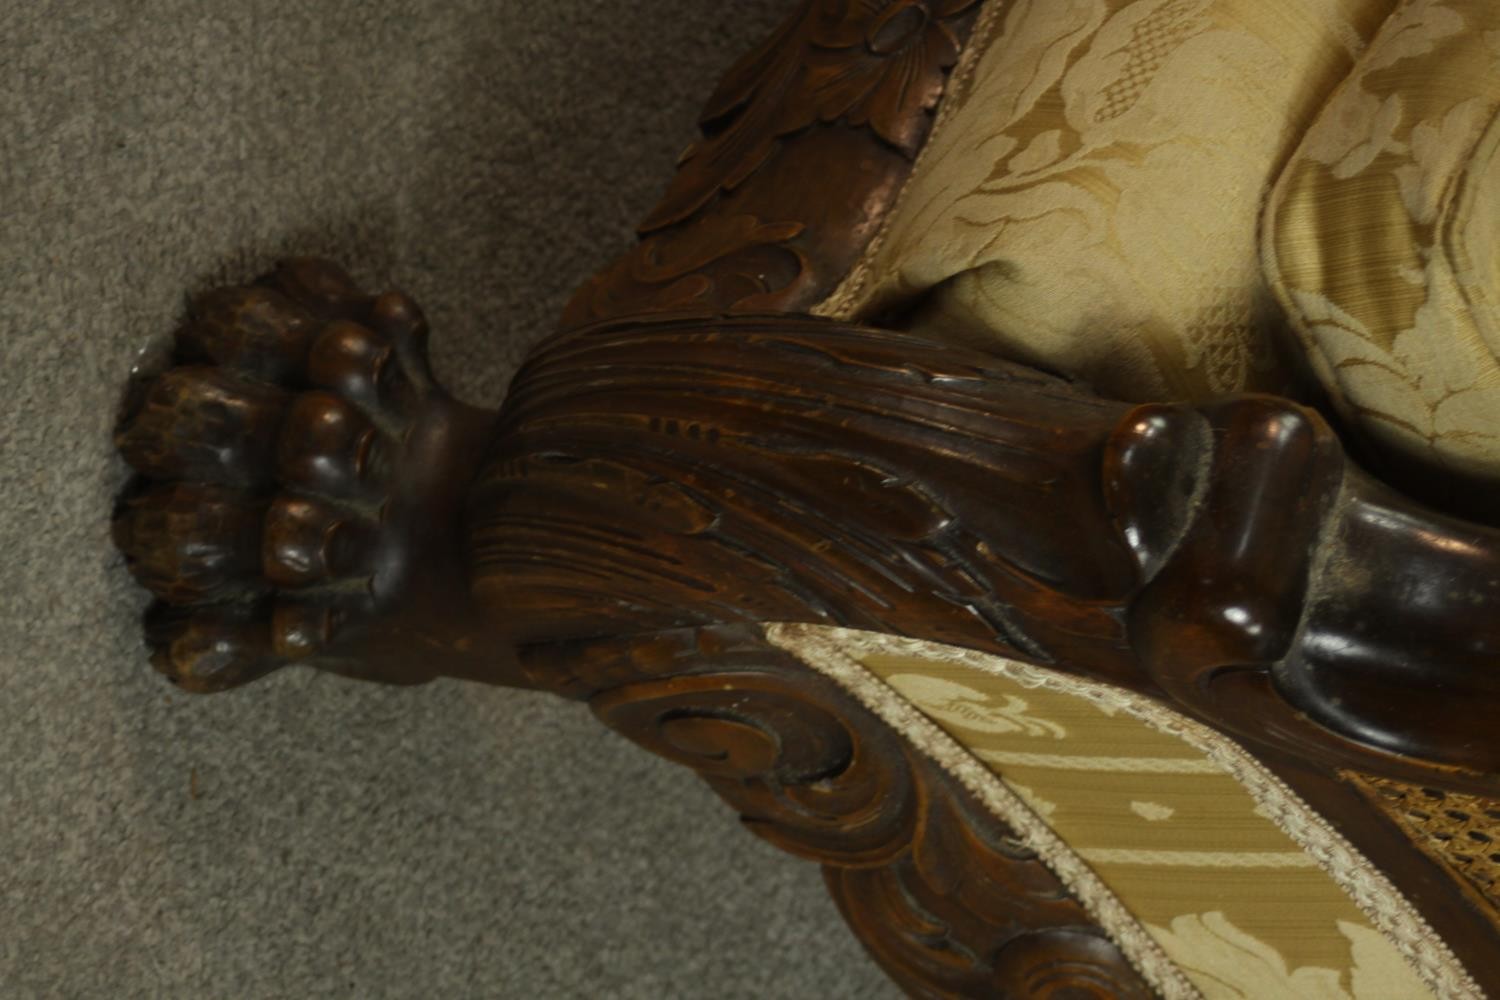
(805,145)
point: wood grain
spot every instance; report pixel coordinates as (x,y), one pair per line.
(780,469)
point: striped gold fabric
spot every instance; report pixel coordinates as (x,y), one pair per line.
(1383,238)
(1236,880)
(1178,838)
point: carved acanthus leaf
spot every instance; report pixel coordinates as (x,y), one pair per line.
(880,63)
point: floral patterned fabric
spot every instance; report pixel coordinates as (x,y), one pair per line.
(1089,202)
(1175,199)
(1383,238)
(1232,899)
(1235,879)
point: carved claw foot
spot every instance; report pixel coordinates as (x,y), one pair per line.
(300,488)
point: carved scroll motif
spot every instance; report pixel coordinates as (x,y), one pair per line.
(943,895)
(805,143)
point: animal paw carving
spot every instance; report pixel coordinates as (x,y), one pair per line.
(300,473)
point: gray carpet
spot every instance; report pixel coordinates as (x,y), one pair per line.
(310,837)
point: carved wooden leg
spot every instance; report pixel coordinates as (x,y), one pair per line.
(307,496)
(299,491)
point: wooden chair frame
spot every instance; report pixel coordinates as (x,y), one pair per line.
(694,456)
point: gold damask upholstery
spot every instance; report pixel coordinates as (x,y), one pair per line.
(1214,878)
(1383,238)
(1089,201)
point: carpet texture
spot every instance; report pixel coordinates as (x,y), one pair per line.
(307,836)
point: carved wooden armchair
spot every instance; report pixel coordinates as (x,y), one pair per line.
(1173,675)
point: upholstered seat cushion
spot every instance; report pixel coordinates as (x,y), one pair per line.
(1174,199)
(1383,239)
(1208,872)
(1089,200)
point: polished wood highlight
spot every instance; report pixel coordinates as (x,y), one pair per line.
(781,469)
